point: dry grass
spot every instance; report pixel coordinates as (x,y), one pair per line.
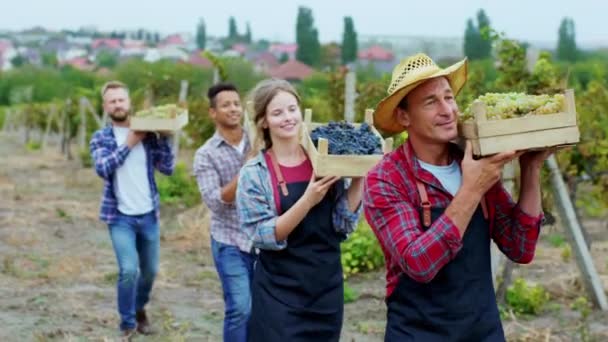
(193,230)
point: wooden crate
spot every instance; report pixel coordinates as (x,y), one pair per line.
(524,133)
(325,164)
(159,124)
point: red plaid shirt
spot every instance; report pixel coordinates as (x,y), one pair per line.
(392,206)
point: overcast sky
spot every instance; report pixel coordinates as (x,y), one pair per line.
(533,20)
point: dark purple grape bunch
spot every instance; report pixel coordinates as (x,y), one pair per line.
(345,138)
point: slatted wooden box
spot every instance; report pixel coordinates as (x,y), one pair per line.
(525,133)
(159,124)
(325,164)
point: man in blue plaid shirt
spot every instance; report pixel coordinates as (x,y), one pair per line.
(126,160)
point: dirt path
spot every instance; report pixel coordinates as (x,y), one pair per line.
(58,272)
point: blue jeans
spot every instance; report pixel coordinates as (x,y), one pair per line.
(235,269)
(136,242)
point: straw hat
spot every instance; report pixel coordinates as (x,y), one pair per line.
(411,72)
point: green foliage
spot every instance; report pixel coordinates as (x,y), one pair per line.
(233,32)
(526,299)
(33,145)
(349,41)
(512,66)
(582,305)
(556,240)
(241,73)
(484,43)
(566,253)
(283,58)
(47,84)
(179,189)
(49,59)
(163,79)
(200,126)
(566,41)
(201,34)
(361,252)
(106,59)
(477,44)
(307,38)
(218,63)
(85,158)
(350,295)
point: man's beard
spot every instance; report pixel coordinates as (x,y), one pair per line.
(119,115)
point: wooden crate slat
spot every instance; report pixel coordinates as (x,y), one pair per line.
(159,124)
(517,125)
(326,164)
(528,132)
(526,140)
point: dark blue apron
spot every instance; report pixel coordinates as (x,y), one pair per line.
(297,293)
(459,304)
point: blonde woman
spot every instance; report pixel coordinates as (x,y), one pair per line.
(297,221)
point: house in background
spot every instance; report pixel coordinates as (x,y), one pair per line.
(281,50)
(133,48)
(292,71)
(380,58)
(196,58)
(7,53)
(263,62)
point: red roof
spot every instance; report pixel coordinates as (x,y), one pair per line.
(196,58)
(291,70)
(376,53)
(240,48)
(5,45)
(267,59)
(134,44)
(283,48)
(81,63)
(107,42)
(174,39)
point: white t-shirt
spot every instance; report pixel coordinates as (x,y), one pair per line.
(131,184)
(241,146)
(449,176)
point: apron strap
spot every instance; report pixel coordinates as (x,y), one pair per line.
(277,171)
(426,204)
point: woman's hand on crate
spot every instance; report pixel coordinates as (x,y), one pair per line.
(317,189)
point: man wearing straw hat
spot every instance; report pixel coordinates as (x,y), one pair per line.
(435,209)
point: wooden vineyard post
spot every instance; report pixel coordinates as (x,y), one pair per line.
(350,96)
(593,283)
(182,102)
(100,121)
(7,120)
(51,116)
(82,135)
(66,130)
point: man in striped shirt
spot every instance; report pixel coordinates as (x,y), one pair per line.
(216,167)
(435,210)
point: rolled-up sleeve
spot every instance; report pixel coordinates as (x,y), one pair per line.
(515,232)
(344,220)
(256,214)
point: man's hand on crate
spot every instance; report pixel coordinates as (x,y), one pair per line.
(535,159)
(478,176)
(135,137)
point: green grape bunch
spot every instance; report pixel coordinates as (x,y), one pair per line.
(168,111)
(500,106)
